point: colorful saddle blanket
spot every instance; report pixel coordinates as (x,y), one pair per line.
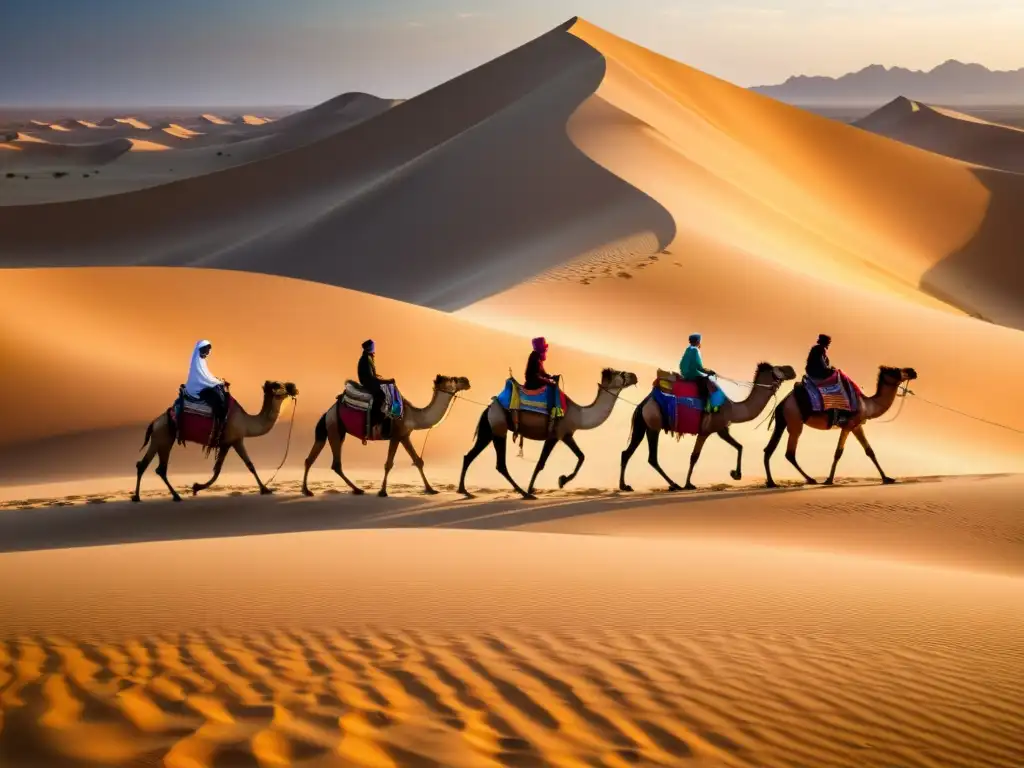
(836,393)
(515,398)
(193,420)
(358,398)
(681,406)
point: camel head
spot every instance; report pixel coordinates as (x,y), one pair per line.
(895,376)
(279,391)
(618,380)
(451,384)
(776,374)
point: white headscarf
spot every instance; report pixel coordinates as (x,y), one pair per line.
(199,376)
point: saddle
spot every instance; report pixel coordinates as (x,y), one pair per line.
(199,411)
(837,397)
(376,426)
(516,398)
(669,383)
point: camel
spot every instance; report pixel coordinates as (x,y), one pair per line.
(330,429)
(647,422)
(240,425)
(787,416)
(495,423)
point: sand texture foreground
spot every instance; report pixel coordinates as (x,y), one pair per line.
(669,644)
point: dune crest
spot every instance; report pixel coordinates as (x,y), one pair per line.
(948,132)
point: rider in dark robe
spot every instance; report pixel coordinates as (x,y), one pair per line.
(536,376)
(818,366)
(371,382)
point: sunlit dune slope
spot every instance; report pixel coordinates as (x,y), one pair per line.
(949,133)
(62,327)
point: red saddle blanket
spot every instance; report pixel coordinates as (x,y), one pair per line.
(681,406)
(196,422)
(357,424)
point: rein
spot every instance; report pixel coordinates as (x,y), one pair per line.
(288,444)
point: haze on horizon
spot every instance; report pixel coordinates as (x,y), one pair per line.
(255,52)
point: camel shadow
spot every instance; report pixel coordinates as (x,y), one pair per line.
(121,522)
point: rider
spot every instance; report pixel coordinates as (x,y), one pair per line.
(818,366)
(370,381)
(536,376)
(691,366)
(203,385)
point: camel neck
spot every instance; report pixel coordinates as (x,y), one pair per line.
(751,407)
(255,425)
(431,415)
(882,400)
(597,413)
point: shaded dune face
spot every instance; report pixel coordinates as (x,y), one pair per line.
(477,178)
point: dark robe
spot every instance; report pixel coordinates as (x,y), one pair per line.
(818,365)
(536,376)
(372,383)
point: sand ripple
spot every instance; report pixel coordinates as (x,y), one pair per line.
(383,698)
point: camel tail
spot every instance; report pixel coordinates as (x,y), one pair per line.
(149,434)
(479,424)
(637,422)
(778,420)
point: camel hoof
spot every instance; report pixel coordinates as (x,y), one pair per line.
(196,488)
(625,488)
(467,495)
(175,497)
(888,481)
(562,480)
(811,481)
(830,481)
(529,497)
(674,488)
(382,493)
(358,491)
(306,492)
(690,487)
(771,484)
(431,492)
(736,475)
(266,491)
(135,498)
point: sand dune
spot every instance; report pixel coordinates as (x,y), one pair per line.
(949,133)
(254,120)
(476,648)
(214,119)
(134,123)
(735,170)
(180,131)
(37,155)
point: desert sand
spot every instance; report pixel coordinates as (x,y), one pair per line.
(614,201)
(949,132)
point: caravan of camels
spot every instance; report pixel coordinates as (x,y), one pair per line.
(685,403)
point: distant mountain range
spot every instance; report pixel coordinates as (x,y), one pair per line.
(950,83)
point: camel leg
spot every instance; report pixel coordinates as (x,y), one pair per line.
(499,442)
(484,436)
(698,446)
(140,466)
(337,440)
(737,474)
(549,446)
(570,441)
(417,461)
(319,441)
(839,454)
(863,440)
(795,430)
(773,443)
(243,454)
(388,464)
(222,453)
(164,453)
(636,436)
(652,459)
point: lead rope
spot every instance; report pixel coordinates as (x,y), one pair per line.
(288,444)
